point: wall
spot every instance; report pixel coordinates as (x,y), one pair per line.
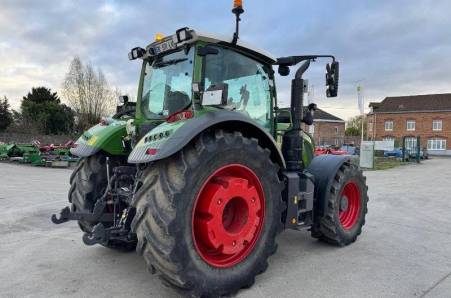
(325,133)
(423,127)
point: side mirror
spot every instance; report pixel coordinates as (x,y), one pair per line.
(332,75)
(215,95)
(123,99)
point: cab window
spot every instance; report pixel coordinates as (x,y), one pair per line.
(247,81)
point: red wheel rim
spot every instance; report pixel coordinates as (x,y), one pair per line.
(228,215)
(349,205)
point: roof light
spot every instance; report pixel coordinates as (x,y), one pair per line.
(237,10)
(136,53)
(237,3)
(183,34)
(159,37)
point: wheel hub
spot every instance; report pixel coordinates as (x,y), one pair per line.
(228,216)
(343,203)
(350,205)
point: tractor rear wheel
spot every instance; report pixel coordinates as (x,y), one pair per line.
(87,184)
(207,217)
(346,207)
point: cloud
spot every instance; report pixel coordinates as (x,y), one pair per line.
(391,47)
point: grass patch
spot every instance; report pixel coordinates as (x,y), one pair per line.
(382,163)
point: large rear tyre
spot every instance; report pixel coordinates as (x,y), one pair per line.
(87,184)
(346,207)
(207,217)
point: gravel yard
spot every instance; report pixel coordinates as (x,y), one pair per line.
(404,251)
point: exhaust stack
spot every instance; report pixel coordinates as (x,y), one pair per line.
(292,139)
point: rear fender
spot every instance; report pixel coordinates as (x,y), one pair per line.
(107,138)
(324,169)
(169,138)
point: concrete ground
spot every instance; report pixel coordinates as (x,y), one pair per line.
(404,251)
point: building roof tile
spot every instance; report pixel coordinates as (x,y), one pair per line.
(323,115)
(413,103)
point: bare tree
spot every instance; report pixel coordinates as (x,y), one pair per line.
(87,92)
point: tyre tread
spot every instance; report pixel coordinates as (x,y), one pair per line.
(155,226)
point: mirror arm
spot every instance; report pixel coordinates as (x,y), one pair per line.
(293,60)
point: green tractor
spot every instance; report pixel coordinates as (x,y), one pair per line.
(192,175)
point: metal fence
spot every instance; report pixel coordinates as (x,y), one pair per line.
(411,149)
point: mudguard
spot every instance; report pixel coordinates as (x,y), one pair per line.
(103,137)
(324,169)
(168,138)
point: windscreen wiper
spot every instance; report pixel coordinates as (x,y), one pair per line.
(169,62)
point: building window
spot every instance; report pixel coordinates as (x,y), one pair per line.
(336,130)
(370,126)
(388,125)
(410,125)
(311,129)
(411,143)
(388,139)
(437,125)
(436,144)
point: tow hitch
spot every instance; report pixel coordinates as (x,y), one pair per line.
(100,234)
(112,214)
(97,215)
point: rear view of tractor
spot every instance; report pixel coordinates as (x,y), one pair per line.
(193,176)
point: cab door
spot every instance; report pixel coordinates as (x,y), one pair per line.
(247,81)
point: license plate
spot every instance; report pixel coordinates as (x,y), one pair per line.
(166,45)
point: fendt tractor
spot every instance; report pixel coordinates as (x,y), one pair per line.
(204,171)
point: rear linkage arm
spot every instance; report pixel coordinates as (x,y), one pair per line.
(120,229)
(97,214)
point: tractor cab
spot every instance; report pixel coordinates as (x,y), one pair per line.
(189,72)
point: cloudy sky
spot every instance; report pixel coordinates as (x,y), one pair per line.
(390,47)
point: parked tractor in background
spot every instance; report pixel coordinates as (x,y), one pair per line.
(192,175)
(38,154)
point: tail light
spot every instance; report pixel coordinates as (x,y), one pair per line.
(182,115)
(151,151)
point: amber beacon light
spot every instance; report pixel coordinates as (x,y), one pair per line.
(237,4)
(237,10)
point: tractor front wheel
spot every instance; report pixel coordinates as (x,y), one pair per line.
(207,217)
(347,201)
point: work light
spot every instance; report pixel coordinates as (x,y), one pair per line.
(183,34)
(136,53)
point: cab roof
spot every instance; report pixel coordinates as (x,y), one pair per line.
(241,45)
(219,39)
